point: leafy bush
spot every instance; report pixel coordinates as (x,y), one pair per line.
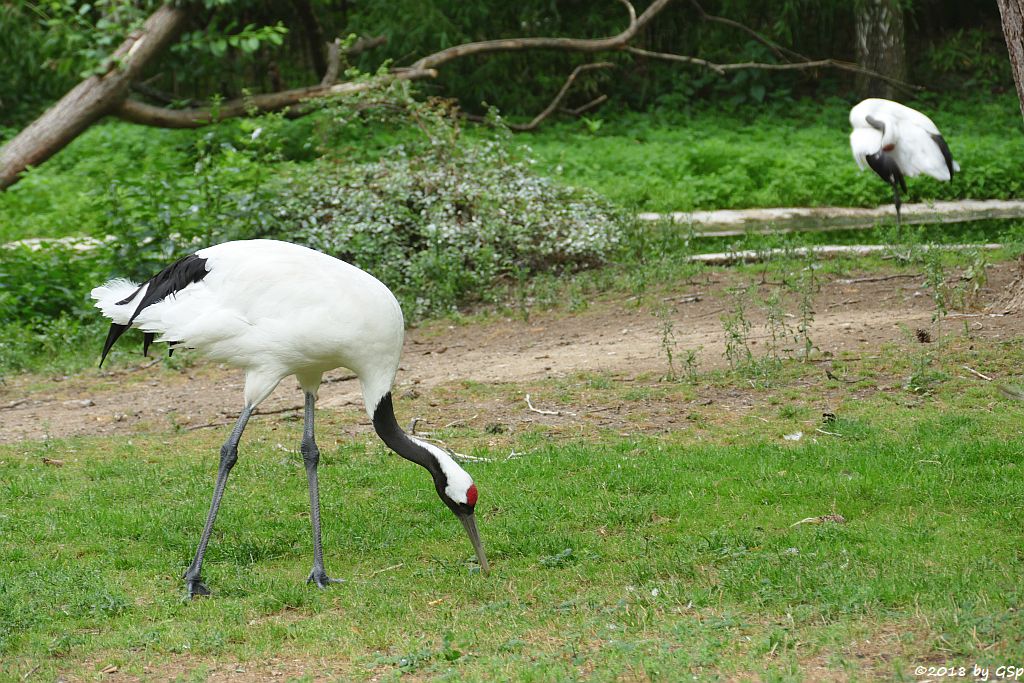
(439,223)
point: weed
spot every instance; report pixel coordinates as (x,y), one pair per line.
(975,277)
(935,281)
(806,287)
(737,330)
(775,322)
(923,379)
(668,341)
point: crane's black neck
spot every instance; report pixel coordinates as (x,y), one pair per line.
(387,429)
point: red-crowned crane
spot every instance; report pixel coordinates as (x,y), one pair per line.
(898,142)
(276,309)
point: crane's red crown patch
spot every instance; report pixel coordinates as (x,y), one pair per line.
(471,495)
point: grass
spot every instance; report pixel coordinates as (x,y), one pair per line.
(797,155)
(634,552)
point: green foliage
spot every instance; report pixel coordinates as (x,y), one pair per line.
(440,219)
(216,40)
(440,216)
(231,46)
(798,155)
(967,58)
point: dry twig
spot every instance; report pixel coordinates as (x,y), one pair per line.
(539,411)
(821,519)
(976,373)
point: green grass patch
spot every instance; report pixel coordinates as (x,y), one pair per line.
(797,155)
(647,556)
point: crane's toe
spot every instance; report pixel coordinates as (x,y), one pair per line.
(196,588)
(320,578)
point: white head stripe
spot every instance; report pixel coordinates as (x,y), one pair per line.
(459,480)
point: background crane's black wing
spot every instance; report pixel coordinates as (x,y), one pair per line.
(946,154)
(887,169)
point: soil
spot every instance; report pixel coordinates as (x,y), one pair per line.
(621,336)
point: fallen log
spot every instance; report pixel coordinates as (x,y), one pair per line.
(737,222)
(824,251)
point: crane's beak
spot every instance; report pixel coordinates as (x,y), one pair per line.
(469,522)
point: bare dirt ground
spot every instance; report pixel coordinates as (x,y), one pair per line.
(620,336)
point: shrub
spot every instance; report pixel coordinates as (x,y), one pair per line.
(438,225)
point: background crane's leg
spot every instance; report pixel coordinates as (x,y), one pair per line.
(311,458)
(896,200)
(228,456)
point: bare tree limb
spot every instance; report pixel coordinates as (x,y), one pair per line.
(617,42)
(696,61)
(197,117)
(722,69)
(333,63)
(580,111)
(334,52)
(365,44)
(779,51)
(536,121)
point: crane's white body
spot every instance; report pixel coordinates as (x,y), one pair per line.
(907,138)
(277,309)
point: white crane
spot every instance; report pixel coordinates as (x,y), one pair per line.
(898,142)
(276,309)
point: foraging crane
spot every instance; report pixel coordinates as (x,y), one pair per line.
(276,309)
(896,141)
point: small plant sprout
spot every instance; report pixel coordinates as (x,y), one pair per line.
(737,331)
(668,341)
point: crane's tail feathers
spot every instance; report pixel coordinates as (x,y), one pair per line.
(114,297)
(122,300)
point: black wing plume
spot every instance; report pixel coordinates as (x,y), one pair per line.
(170,280)
(946,154)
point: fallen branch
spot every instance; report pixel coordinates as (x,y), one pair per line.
(879,278)
(539,411)
(824,251)
(580,111)
(539,118)
(616,42)
(197,117)
(783,220)
(14,404)
(974,372)
(822,519)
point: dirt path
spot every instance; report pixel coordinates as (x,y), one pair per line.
(611,336)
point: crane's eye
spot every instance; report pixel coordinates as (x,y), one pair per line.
(471,495)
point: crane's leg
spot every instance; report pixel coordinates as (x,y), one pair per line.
(896,200)
(228,456)
(311,458)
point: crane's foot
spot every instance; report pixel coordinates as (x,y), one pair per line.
(320,578)
(196,588)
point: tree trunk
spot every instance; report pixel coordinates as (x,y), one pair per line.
(1012,12)
(880,46)
(91,99)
